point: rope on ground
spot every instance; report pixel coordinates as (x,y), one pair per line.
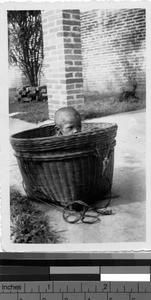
(79,211)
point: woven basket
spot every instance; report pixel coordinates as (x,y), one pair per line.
(63,169)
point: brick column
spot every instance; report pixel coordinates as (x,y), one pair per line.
(63,59)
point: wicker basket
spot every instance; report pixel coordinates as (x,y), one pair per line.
(63,169)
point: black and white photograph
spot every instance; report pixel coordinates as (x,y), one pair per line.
(75,152)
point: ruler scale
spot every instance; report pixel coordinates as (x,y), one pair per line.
(75,290)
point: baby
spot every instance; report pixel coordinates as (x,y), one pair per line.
(67,121)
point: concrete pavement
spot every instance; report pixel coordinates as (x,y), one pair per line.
(128,223)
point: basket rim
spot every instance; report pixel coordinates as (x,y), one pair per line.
(65,138)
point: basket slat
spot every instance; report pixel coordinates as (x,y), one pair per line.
(65,169)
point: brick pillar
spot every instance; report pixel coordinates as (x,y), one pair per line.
(63,59)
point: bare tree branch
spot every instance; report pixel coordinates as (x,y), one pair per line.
(25,42)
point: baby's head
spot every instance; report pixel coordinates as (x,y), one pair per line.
(67,121)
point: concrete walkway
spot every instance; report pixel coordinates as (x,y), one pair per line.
(128,223)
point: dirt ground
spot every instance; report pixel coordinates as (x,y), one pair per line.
(128,222)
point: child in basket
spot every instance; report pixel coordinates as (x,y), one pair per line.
(67,121)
